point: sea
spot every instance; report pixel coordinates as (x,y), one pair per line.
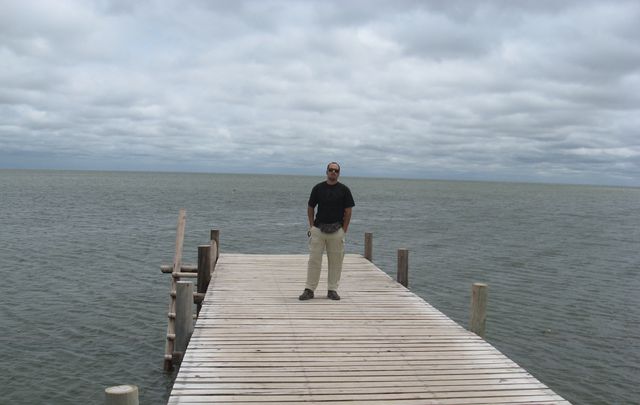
(83,303)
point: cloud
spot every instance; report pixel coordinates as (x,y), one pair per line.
(545,91)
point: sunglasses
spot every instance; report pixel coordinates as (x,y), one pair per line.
(333,170)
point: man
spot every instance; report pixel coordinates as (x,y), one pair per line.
(327,230)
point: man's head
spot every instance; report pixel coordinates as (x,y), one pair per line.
(333,172)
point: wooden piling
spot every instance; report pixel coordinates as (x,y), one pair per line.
(215,236)
(121,395)
(403,267)
(477,322)
(184,315)
(368,246)
(204,269)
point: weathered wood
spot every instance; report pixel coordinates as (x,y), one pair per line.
(381,344)
(204,270)
(213,258)
(121,395)
(177,265)
(198,298)
(215,236)
(368,246)
(183,315)
(180,275)
(176,357)
(403,267)
(204,267)
(478,319)
(185,268)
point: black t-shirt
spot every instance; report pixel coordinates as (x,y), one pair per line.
(331,201)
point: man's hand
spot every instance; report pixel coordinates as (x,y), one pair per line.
(347,219)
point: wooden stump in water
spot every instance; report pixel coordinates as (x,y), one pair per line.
(121,395)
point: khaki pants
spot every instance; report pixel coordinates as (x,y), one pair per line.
(334,243)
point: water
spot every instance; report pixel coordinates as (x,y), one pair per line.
(83,303)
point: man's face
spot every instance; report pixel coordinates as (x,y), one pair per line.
(333,172)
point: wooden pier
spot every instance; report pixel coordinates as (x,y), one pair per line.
(255,343)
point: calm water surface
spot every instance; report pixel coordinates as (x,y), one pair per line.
(83,303)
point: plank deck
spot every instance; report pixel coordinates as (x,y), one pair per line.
(256,343)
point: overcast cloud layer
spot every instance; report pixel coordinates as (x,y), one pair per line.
(496,90)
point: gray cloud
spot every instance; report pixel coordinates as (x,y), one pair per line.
(545,91)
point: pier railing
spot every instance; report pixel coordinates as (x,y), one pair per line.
(182,294)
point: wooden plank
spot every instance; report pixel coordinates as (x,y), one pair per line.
(255,343)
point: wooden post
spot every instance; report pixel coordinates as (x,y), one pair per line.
(177,266)
(368,246)
(204,269)
(215,235)
(184,315)
(478,319)
(403,267)
(121,395)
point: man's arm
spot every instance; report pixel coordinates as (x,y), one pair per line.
(310,214)
(346,219)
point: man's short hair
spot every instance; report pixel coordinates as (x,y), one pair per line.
(333,163)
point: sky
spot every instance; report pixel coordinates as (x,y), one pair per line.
(532,91)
